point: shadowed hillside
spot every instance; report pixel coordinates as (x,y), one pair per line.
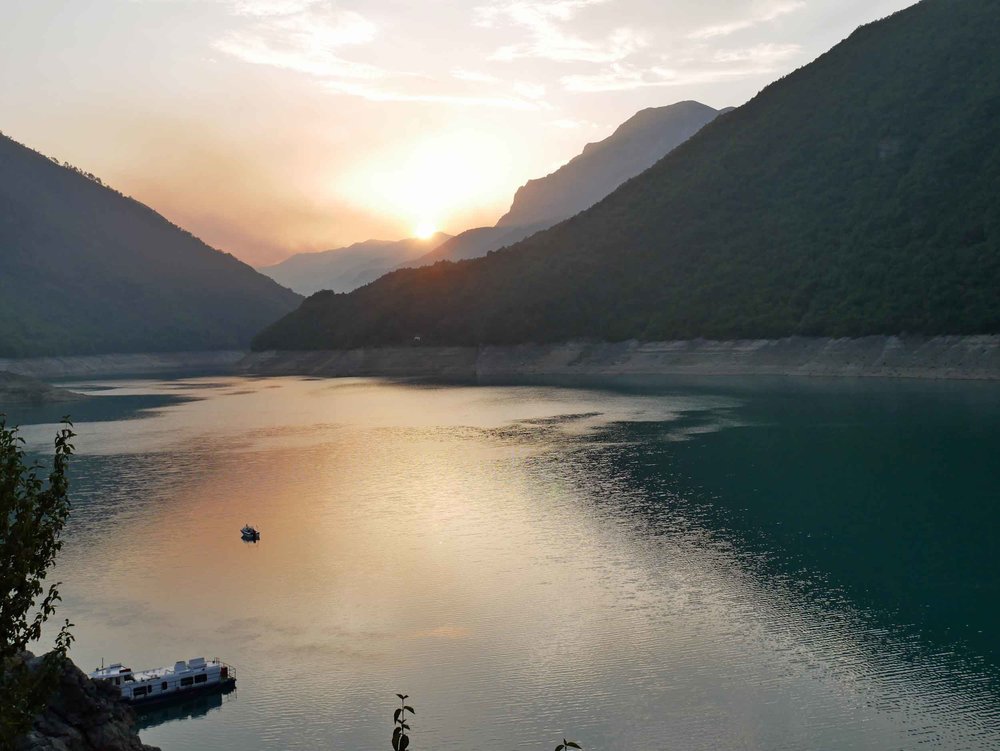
(855,196)
(86,270)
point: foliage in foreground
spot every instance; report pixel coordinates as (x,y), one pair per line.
(32,516)
(401,738)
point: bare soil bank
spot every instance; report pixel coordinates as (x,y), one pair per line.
(122,364)
(18,389)
(961,357)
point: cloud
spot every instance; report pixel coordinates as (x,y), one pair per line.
(760,53)
(269,7)
(544,22)
(766,12)
(374,92)
(530,11)
(475,76)
(700,63)
(570,124)
(307,36)
(622,77)
(300,36)
(530,90)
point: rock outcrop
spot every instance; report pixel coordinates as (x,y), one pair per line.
(82,715)
(951,357)
(19,389)
(129,364)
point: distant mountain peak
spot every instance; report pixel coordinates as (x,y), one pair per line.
(347,268)
(634,146)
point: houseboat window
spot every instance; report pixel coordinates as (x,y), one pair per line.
(187,681)
(163,686)
(139,691)
(200,678)
(118,681)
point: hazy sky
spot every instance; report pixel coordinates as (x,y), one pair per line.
(274,126)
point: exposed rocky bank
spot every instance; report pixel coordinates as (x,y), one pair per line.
(87,366)
(958,357)
(19,389)
(82,716)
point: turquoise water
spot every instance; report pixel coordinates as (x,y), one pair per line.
(710,564)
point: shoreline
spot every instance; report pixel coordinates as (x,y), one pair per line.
(19,389)
(942,357)
(142,363)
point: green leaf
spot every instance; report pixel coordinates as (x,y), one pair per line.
(410,709)
(396,714)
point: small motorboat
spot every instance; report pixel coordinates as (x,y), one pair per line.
(249,534)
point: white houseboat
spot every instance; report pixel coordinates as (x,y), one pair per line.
(184,679)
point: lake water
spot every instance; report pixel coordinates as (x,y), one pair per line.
(716,564)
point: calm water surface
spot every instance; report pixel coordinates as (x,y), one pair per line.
(722,564)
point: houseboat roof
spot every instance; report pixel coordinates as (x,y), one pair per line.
(117,670)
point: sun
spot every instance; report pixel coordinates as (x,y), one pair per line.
(424,230)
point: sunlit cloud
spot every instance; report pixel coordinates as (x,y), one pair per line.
(307,37)
(567,123)
(300,36)
(270,7)
(476,76)
(765,12)
(530,90)
(544,23)
(377,93)
(759,53)
(623,77)
(530,12)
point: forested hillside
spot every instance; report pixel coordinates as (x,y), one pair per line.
(84,269)
(856,196)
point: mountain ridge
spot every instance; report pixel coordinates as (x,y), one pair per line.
(84,269)
(344,269)
(855,196)
(601,166)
